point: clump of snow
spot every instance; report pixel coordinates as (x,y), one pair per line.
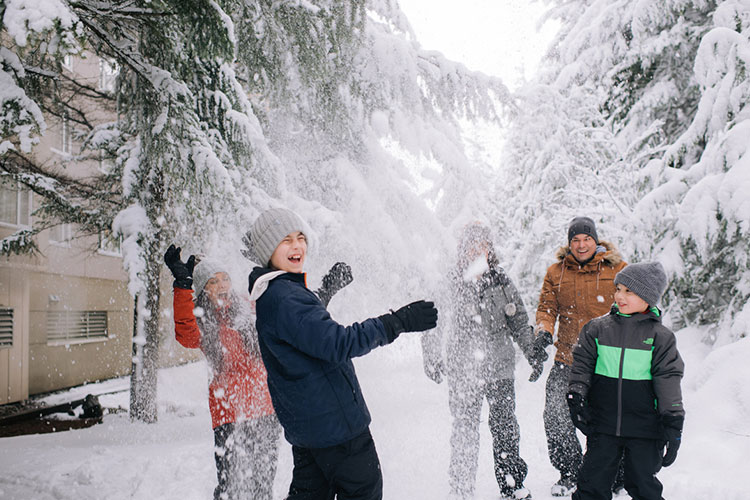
(25,16)
(477,267)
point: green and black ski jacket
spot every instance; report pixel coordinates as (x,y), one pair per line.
(628,369)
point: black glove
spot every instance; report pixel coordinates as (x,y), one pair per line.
(579,412)
(339,276)
(415,317)
(672,432)
(434,370)
(182,272)
(538,354)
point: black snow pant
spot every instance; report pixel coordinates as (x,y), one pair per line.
(465,401)
(246,454)
(348,471)
(642,460)
(562,442)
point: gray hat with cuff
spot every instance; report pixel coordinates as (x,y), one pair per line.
(646,279)
(268,230)
(203,271)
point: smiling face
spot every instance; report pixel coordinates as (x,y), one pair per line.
(290,254)
(628,302)
(583,247)
(217,289)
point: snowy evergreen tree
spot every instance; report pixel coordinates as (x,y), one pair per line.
(184,142)
(670,90)
(189,141)
(361,124)
(562,161)
(31,85)
(367,127)
(702,185)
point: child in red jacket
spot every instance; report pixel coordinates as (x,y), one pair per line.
(246,429)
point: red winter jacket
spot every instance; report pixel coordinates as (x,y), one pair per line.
(239,391)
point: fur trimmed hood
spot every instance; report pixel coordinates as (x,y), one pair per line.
(612,256)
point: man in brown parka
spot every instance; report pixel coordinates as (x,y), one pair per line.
(577,288)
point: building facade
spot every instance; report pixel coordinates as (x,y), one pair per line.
(66,316)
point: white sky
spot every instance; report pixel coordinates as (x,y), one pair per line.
(497,37)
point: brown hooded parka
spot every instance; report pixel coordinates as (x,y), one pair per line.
(576,294)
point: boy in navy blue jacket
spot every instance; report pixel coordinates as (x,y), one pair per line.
(624,390)
(311,378)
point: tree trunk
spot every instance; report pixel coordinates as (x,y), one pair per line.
(146,342)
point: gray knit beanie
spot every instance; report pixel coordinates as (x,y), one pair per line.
(582,225)
(268,230)
(646,279)
(203,272)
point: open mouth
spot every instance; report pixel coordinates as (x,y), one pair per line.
(295,259)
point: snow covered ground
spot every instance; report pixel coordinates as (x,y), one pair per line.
(173,458)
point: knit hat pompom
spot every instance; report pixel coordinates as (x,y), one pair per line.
(646,279)
(268,230)
(582,225)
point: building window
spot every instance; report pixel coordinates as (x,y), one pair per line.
(15,204)
(6,327)
(67,326)
(110,244)
(60,234)
(66,135)
(106,163)
(108,71)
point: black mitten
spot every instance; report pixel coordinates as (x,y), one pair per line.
(672,432)
(434,370)
(415,317)
(538,354)
(182,271)
(579,412)
(339,276)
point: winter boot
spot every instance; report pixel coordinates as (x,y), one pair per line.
(513,493)
(564,487)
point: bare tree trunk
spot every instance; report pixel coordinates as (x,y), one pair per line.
(146,342)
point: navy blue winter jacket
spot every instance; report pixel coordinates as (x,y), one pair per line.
(307,354)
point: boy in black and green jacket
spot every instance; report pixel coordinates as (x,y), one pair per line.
(624,390)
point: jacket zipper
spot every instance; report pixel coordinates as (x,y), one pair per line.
(618,429)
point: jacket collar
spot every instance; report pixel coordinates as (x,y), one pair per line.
(260,277)
(653,314)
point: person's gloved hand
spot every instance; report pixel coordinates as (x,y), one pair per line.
(339,276)
(434,370)
(538,354)
(672,433)
(579,412)
(182,271)
(415,317)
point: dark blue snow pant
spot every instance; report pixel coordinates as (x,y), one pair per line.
(642,460)
(348,471)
